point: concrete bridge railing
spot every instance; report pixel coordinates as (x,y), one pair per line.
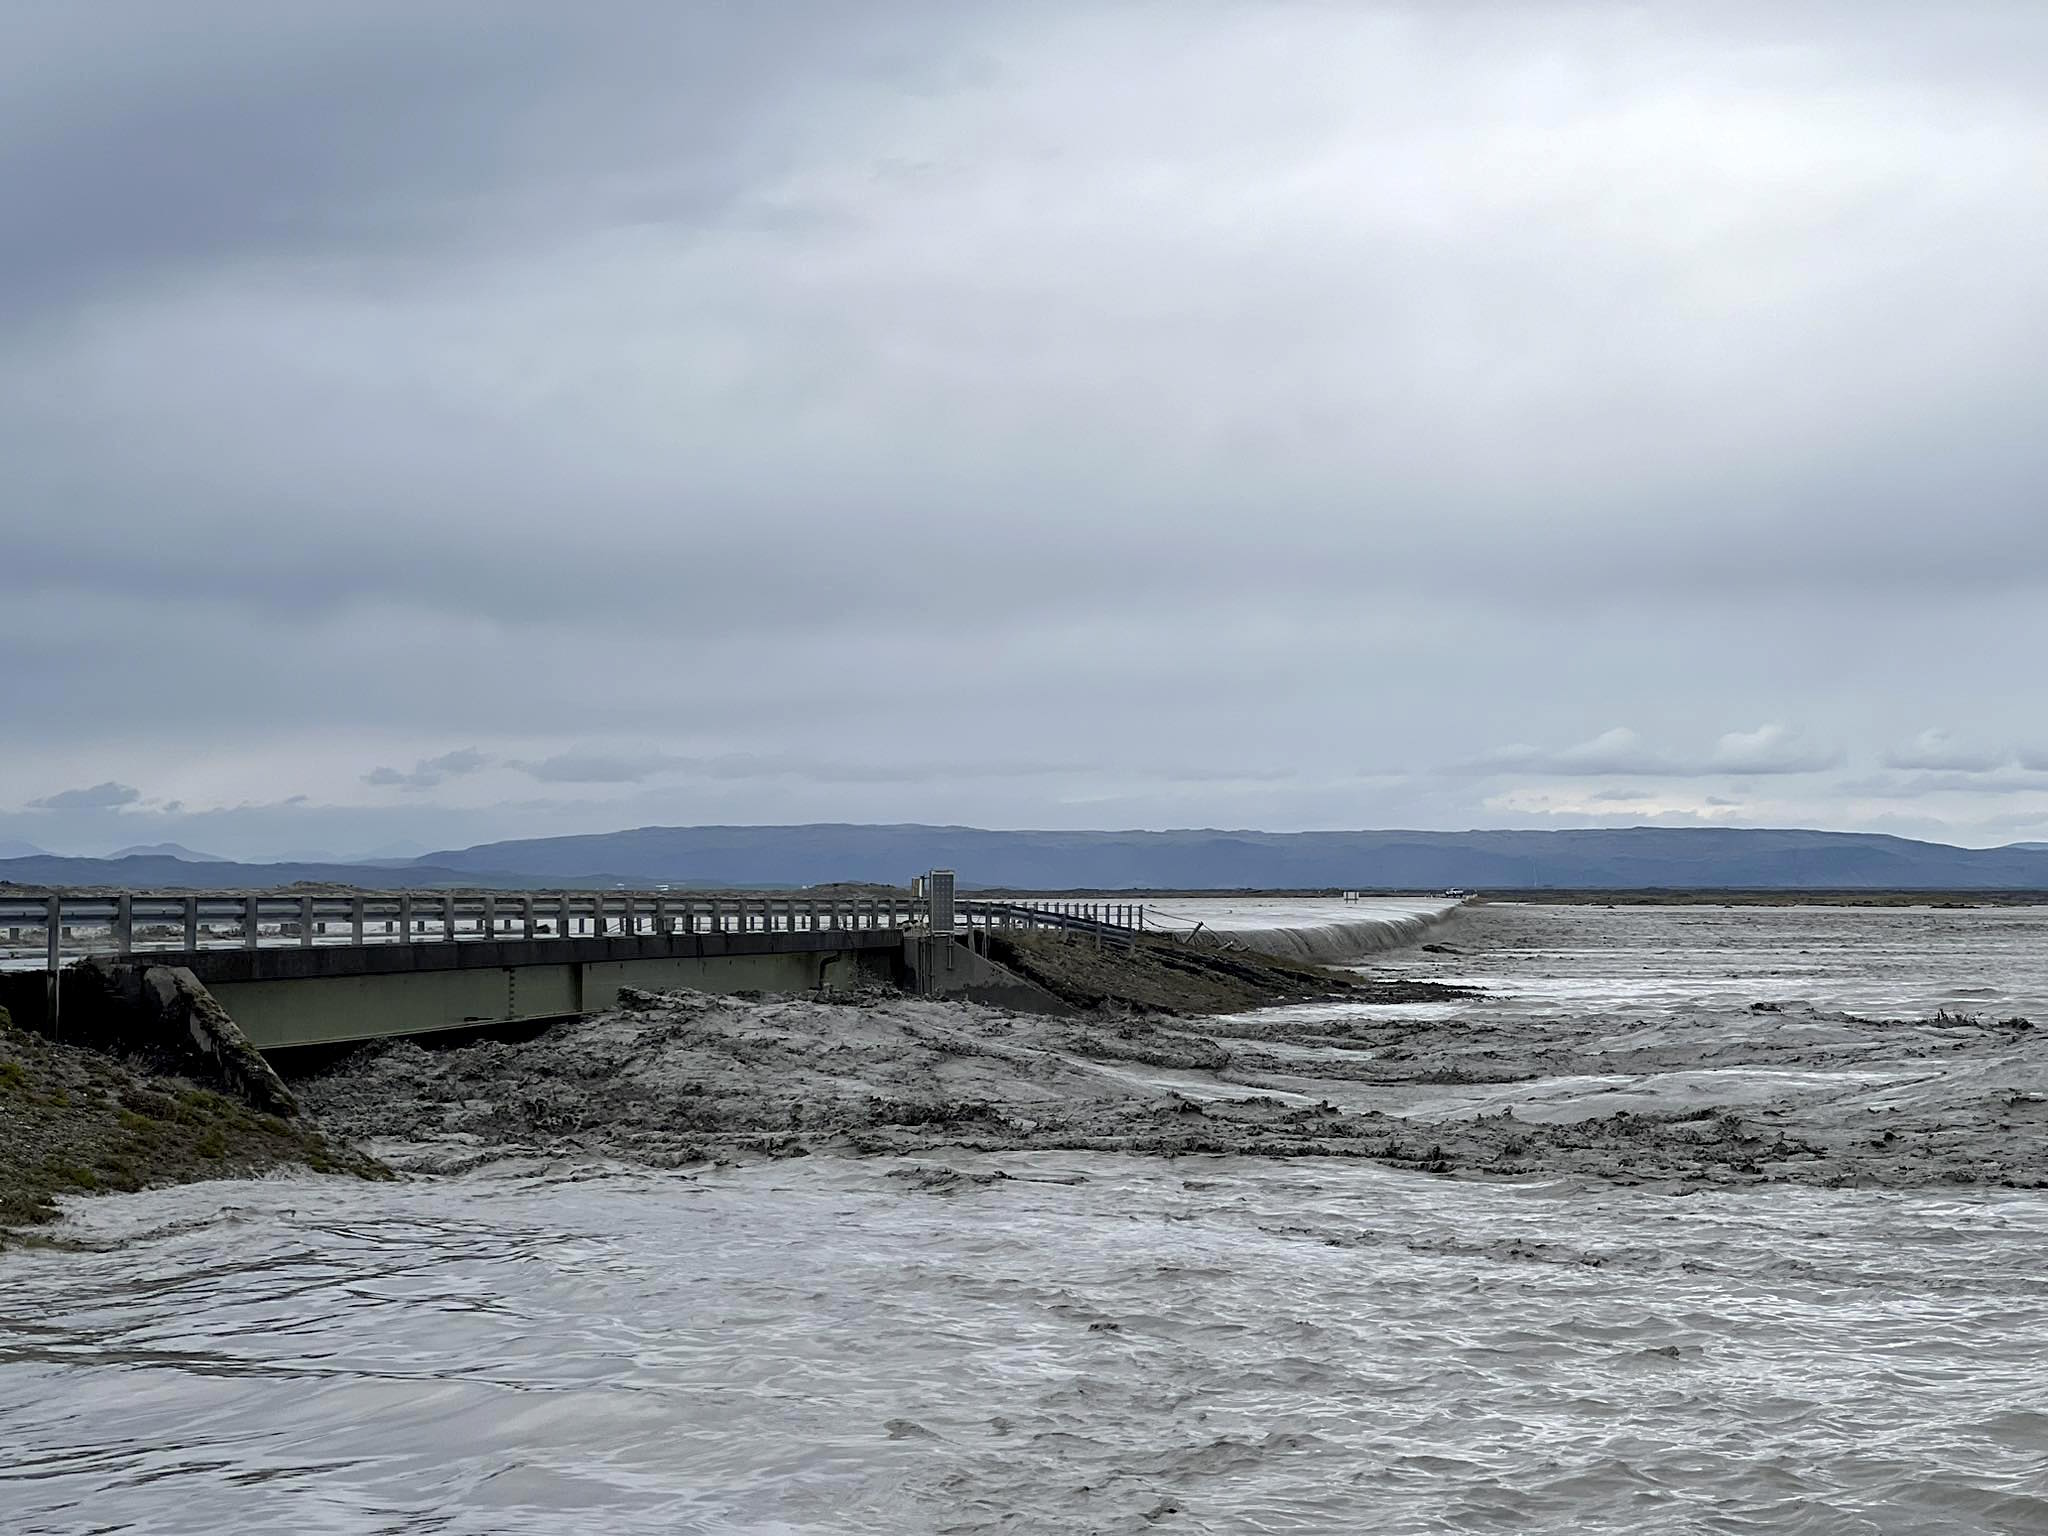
(53,927)
(321,967)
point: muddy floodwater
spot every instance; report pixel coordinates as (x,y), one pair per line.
(1734,1224)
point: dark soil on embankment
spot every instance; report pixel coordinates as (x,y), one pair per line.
(75,1120)
(1161,975)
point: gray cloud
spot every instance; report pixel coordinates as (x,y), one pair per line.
(601,768)
(1934,749)
(1770,749)
(99,797)
(914,411)
(638,768)
(429,772)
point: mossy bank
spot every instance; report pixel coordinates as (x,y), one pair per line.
(76,1121)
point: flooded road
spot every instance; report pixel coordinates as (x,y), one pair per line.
(1068,1340)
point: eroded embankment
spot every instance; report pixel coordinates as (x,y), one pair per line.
(75,1120)
(1160,975)
(680,1078)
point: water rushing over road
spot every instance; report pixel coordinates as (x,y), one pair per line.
(1056,1341)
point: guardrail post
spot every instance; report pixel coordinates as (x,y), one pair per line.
(564,919)
(251,914)
(405,917)
(124,922)
(526,914)
(490,918)
(306,921)
(662,920)
(356,908)
(191,922)
(448,917)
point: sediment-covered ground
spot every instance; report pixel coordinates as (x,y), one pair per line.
(1778,1095)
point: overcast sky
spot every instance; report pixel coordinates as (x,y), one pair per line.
(430,423)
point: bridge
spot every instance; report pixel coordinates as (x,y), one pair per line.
(312,968)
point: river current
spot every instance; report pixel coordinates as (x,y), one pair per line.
(1081,1341)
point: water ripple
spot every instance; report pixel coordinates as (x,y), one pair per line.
(1205,1345)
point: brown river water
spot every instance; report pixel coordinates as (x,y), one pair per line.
(564,1338)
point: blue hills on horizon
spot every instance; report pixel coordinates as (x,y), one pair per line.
(1606,858)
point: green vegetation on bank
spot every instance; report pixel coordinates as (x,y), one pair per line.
(75,1121)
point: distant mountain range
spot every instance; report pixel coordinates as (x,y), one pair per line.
(166,851)
(1625,858)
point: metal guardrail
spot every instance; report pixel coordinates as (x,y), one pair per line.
(1119,922)
(47,929)
(57,926)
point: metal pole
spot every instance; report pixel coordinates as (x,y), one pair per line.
(191,922)
(356,905)
(405,917)
(250,914)
(306,921)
